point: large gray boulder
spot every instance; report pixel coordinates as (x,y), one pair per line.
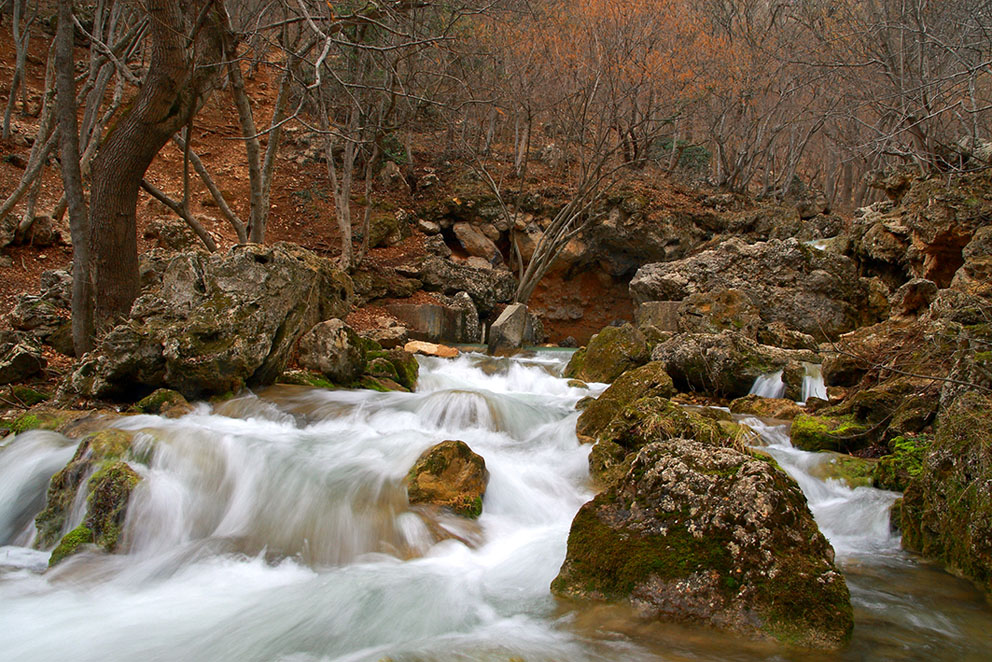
(487,287)
(334,350)
(726,364)
(508,331)
(213,324)
(809,290)
(703,534)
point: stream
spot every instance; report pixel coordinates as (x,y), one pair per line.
(275,526)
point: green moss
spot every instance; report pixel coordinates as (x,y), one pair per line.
(37,420)
(110,490)
(160,399)
(602,560)
(834,433)
(70,544)
(576,364)
(649,380)
(896,470)
(855,471)
(306,378)
(29,396)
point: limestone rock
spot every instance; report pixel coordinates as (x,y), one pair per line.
(213,324)
(719,310)
(808,290)
(726,364)
(913,297)
(431,349)
(649,380)
(509,330)
(334,350)
(449,475)
(487,287)
(18,361)
(779,408)
(947,508)
(165,402)
(454,319)
(828,433)
(476,243)
(707,535)
(610,353)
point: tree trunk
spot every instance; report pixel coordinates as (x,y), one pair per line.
(72,180)
(178,82)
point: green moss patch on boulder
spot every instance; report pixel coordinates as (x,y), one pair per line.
(896,470)
(449,475)
(649,380)
(947,508)
(70,544)
(610,353)
(701,534)
(854,471)
(841,434)
(166,402)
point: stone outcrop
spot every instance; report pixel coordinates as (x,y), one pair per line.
(946,511)
(609,354)
(701,534)
(213,324)
(449,475)
(455,319)
(726,364)
(807,289)
(487,287)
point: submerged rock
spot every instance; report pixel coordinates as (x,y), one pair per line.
(610,353)
(702,534)
(449,475)
(946,511)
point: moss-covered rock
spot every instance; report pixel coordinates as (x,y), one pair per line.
(649,380)
(609,354)
(841,434)
(896,470)
(854,471)
(947,508)
(699,534)
(166,402)
(110,490)
(451,476)
(780,408)
(406,366)
(28,396)
(70,544)
(94,450)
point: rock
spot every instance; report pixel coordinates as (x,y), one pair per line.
(173,234)
(896,470)
(727,364)
(388,337)
(778,408)
(946,511)
(662,315)
(56,288)
(487,287)
(97,453)
(405,370)
(39,316)
(610,353)
(213,324)
(455,320)
(841,434)
(713,312)
(641,422)
(476,243)
(388,229)
(699,534)
(19,361)
(334,350)
(913,297)
(508,331)
(853,471)
(449,475)
(649,380)
(809,290)
(383,282)
(428,227)
(779,335)
(975,275)
(165,402)
(430,349)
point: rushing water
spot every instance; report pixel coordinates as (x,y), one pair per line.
(275,527)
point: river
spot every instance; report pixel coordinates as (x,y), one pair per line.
(275,526)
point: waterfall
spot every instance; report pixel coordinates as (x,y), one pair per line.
(769,385)
(813,385)
(275,527)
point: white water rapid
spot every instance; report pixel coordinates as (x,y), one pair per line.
(274,527)
(769,385)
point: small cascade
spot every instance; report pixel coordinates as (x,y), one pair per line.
(769,385)
(813,384)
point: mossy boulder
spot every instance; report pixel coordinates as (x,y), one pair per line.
(406,366)
(903,464)
(946,512)
(854,471)
(702,534)
(644,421)
(207,324)
(94,452)
(70,544)
(334,350)
(166,402)
(779,408)
(449,475)
(649,380)
(610,353)
(841,434)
